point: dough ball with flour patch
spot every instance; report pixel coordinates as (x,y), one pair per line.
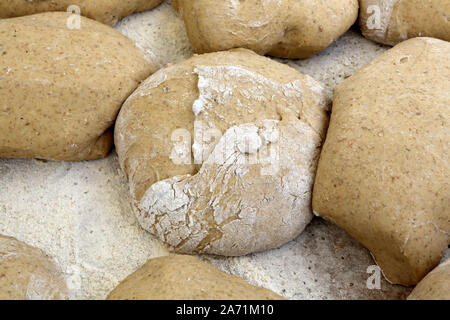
(282,28)
(393,21)
(383,174)
(105,11)
(181,277)
(61,89)
(220,152)
(27,273)
(435,286)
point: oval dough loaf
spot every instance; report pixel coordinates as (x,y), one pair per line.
(220,152)
(105,11)
(383,174)
(61,89)
(282,28)
(186,278)
(26,273)
(393,21)
(435,286)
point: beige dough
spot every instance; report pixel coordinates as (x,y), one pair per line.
(435,286)
(282,28)
(181,277)
(61,89)
(105,11)
(383,174)
(393,21)
(26,273)
(220,152)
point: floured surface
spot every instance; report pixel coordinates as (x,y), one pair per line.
(322,263)
(82,216)
(160,32)
(78,213)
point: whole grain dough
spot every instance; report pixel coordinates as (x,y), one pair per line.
(393,21)
(27,273)
(180,277)
(61,89)
(383,174)
(281,28)
(105,11)
(221,150)
(435,286)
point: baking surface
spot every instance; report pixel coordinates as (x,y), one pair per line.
(80,213)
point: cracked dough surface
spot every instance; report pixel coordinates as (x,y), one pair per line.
(255,127)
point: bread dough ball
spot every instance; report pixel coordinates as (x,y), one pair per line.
(435,286)
(182,277)
(105,11)
(282,28)
(383,174)
(61,89)
(393,21)
(27,273)
(220,152)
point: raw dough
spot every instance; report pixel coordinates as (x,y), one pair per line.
(220,152)
(181,277)
(393,21)
(383,174)
(61,89)
(282,28)
(26,273)
(105,11)
(435,286)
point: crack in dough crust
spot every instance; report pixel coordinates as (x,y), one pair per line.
(249,186)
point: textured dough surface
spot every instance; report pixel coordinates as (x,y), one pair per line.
(61,89)
(393,21)
(180,277)
(105,11)
(435,286)
(26,273)
(282,28)
(383,174)
(246,189)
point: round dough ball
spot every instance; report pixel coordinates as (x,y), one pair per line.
(181,277)
(435,286)
(282,28)
(221,150)
(105,11)
(27,273)
(61,89)
(393,21)
(384,174)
